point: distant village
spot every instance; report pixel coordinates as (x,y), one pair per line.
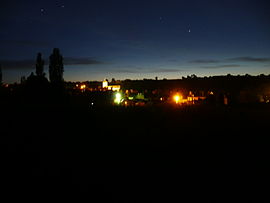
(216,90)
(221,90)
(36,89)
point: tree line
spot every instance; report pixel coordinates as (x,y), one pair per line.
(56,68)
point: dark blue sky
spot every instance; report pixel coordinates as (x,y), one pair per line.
(136,38)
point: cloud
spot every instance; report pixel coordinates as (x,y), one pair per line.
(81,61)
(173,60)
(165,70)
(126,71)
(221,66)
(249,59)
(147,70)
(28,64)
(215,64)
(234,59)
(204,61)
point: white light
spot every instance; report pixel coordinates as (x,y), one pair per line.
(118,98)
(118,95)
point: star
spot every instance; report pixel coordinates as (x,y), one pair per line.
(42,11)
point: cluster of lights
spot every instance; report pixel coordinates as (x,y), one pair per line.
(177,98)
(82,87)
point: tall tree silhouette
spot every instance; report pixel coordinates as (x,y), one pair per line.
(39,65)
(56,67)
(0,74)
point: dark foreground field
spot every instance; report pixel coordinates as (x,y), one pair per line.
(137,154)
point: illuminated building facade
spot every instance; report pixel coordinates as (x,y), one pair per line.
(105,85)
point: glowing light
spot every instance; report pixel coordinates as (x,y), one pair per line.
(226,101)
(83,87)
(118,95)
(190,99)
(115,87)
(105,84)
(176,99)
(118,98)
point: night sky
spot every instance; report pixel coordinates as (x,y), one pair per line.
(136,39)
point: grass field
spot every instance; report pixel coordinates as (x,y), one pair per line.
(133,154)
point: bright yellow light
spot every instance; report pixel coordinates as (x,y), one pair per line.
(178,98)
(83,87)
(118,98)
(105,84)
(116,87)
(190,99)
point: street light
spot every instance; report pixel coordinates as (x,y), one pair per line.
(83,87)
(118,98)
(177,98)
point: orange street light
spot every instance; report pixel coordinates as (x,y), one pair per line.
(177,98)
(83,87)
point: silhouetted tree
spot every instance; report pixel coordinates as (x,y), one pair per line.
(39,65)
(193,76)
(56,67)
(23,80)
(32,75)
(0,74)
